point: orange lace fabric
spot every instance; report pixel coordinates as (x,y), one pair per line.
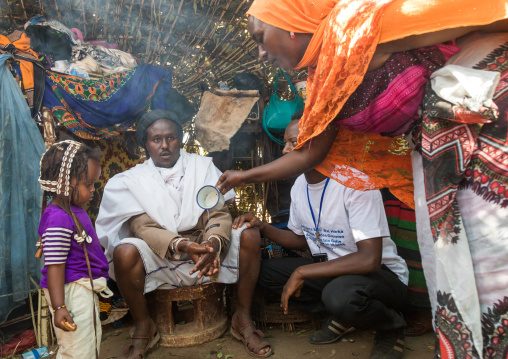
(366,161)
(362,161)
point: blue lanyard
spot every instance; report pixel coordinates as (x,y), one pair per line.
(316,226)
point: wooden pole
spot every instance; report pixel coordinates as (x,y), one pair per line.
(45,320)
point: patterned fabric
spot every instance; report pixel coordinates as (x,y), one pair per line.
(465,172)
(402,223)
(118,155)
(56,243)
(448,148)
(94,109)
(354,161)
(388,98)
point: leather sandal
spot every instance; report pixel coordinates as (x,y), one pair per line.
(131,352)
(256,337)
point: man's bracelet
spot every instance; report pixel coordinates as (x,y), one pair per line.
(60,307)
(175,245)
(217,238)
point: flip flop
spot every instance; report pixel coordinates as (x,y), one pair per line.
(134,353)
(258,335)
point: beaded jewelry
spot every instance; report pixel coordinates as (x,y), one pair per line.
(60,307)
(65,169)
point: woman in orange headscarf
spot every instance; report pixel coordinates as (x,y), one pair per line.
(345,44)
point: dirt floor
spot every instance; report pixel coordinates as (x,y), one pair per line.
(286,345)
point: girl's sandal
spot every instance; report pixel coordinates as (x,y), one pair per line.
(132,352)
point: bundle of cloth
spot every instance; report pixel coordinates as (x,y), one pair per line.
(27,66)
(63,50)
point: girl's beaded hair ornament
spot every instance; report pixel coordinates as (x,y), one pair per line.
(65,169)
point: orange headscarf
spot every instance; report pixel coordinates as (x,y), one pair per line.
(345,36)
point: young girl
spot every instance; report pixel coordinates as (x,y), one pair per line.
(74,264)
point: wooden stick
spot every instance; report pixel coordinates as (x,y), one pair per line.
(105,27)
(58,12)
(33,316)
(84,18)
(39,307)
(174,22)
(127,27)
(152,9)
(24,10)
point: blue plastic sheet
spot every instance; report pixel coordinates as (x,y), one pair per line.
(21,147)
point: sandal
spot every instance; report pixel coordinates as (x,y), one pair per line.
(131,352)
(255,337)
(416,329)
(330,332)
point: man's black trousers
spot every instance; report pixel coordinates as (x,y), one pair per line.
(362,301)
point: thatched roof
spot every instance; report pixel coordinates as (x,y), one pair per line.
(201,41)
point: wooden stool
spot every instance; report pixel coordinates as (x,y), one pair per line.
(204,318)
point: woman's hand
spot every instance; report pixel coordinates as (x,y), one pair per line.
(64,321)
(293,286)
(251,219)
(231,179)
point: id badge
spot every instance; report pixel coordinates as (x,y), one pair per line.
(320,257)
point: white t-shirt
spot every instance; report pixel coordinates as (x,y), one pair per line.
(347,217)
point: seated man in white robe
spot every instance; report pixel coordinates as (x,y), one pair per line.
(155,233)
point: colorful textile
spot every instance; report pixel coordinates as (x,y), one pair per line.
(402,223)
(464,171)
(28,67)
(22,48)
(448,146)
(338,64)
(386,101)
(353,160)
(388,98)
(94,109)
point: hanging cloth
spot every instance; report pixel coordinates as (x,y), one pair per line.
(21,147)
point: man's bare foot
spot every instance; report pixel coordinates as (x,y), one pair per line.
(144,337)
(242,328)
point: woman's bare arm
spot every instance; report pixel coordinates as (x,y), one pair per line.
(294,163)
